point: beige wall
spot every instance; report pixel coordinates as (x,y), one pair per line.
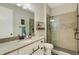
(66,8)
(18,14)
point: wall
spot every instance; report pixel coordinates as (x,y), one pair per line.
(18,14)
(66,8)
(48,10)
(38,9)
(44,10)
(65,21)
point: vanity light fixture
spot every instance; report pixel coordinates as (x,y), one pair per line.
(19,4)
(24,5)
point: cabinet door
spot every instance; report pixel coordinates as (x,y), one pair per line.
(35,45)
(29,49)
(13,53)
(40,51)
(25,51)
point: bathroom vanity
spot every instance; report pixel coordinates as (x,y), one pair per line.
(33,46)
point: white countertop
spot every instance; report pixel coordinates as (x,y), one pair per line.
(12,45)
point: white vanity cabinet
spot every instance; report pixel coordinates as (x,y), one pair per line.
(32,48)
(25,50)
(40,51)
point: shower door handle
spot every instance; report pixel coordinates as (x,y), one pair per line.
(76,35)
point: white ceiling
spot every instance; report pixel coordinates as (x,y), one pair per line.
(53,5)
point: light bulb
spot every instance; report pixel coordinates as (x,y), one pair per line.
(19,4)
(24,5)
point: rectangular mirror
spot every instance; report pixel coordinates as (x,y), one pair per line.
(12,17)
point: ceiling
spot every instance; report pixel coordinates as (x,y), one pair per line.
(53,5)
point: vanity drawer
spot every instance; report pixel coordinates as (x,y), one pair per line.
(35,45)
(25,51)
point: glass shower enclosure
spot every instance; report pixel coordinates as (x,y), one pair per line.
(63,31)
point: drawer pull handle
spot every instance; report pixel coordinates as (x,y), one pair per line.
(35,50)
(41,47)
(41,41)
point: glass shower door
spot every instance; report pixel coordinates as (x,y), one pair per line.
(76,35)
(48,30)
(63,31)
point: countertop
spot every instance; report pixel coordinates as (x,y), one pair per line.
(13,45)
